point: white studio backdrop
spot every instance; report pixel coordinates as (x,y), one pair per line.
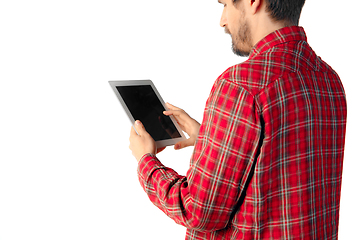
(65,168)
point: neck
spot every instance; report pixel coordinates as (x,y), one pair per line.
(264,28)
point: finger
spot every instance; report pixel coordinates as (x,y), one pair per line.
(176,114)
(178,117)
(172,107)
(140,129)
(160,150)
(185,143)
(172,112)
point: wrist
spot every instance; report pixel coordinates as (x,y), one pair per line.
(142,157)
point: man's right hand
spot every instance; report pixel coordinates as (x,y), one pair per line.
(187,124)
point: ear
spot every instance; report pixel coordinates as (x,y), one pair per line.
(255,5)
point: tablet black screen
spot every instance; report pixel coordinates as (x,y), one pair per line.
(145,106)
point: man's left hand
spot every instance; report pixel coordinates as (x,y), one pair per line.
(143,143)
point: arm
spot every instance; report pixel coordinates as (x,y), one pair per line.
(223,156)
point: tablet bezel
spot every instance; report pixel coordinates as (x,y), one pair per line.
(159,143)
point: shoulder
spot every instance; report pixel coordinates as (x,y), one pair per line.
(259,71)
(249,75)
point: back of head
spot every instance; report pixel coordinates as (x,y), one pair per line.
(287,11)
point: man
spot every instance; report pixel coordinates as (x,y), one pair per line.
(268,156)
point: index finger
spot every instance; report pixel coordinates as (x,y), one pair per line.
(172,112)
(172,107)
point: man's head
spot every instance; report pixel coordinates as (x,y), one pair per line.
(248,21)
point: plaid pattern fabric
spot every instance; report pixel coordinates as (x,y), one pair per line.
(268,160)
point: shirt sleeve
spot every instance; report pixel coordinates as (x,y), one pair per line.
(224,154)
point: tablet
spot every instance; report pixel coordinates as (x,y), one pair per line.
(141,101)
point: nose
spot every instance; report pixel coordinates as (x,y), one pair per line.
(223,19)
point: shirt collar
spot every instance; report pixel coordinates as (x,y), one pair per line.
(286,34)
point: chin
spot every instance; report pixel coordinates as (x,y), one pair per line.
(240,51)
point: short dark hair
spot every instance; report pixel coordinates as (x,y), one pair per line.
(287,11)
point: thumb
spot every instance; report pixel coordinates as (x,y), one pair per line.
(183,144)
(139,127)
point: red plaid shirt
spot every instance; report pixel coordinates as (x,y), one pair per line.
(268,160)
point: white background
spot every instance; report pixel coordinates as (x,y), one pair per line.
(65,168)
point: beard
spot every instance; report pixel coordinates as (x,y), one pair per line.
(241,42)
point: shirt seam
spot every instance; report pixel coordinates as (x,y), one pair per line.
(257,106)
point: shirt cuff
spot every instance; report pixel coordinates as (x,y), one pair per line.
(147,165)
